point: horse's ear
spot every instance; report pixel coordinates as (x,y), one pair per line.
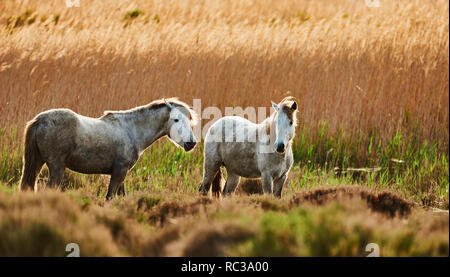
(275,106)
(168,104)
(294,106)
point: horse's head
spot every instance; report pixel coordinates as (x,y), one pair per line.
(285,122)
(180,124)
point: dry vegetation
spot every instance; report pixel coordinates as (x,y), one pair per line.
(341,223)
(372,85)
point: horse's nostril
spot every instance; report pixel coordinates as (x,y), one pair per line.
(280,147)
(189,145)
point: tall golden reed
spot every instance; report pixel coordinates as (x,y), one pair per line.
(354,67)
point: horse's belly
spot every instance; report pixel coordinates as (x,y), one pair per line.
(245,172)
(90,162)
(240,159)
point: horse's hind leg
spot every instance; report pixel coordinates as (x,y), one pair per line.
(231,184)
(278,185)
(209,173)
(117,177)
(56,171)
(28,179)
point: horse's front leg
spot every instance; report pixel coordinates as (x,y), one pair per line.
(267,182)
(117,177)
(121,190)
(278,185)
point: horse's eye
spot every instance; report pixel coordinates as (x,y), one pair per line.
(176,119)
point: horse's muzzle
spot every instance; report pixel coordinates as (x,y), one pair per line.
(280,148)
(189,145)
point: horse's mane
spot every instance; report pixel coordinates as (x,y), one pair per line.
(156,104)
(286,106)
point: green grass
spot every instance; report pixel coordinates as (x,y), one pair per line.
(418,170)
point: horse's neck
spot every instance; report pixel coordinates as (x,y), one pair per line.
(266,126)
(149,126)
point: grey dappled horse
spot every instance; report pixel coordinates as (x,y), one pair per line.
(250,150)
(111,144)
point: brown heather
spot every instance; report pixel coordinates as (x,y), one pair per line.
(341,224)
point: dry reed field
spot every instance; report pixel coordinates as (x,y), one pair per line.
(372,86)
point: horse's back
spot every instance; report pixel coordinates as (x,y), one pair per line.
(68,122)
(83,144)
(231,129)
(62,122)
(54,131)
(56,114)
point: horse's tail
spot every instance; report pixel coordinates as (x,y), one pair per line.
(32,159)
(217,184)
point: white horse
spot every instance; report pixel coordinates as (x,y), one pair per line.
(111,144)
(250,150)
